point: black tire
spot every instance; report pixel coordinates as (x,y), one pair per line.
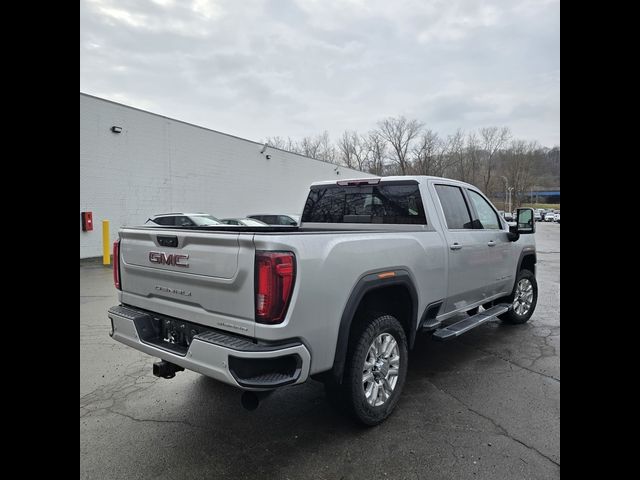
(350,395)
(512,315)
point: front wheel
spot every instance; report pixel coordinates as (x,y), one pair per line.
(375,370)
(523,299)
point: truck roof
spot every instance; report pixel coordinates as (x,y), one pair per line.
(397,178)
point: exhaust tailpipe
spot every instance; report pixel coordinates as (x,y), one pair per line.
(251,400)
(166,369)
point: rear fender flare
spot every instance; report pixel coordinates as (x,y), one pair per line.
(365,285)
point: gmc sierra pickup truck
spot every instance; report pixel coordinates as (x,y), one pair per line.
(339,298)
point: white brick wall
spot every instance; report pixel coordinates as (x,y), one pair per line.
(161,165)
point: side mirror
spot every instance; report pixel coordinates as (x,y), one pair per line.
(525,224)
(525,221)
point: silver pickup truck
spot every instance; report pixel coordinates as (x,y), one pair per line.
(339,298)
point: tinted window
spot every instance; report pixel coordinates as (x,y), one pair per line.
(486,214)
(165,220)
(268,219)
(454,206)
(184,222)
(250,222)
(201,220)
(390,203)
(284,220)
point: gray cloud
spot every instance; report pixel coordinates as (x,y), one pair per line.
(261,68)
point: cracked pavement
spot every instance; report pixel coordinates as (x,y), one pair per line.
(484,406)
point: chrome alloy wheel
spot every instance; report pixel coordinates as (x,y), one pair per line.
(524,297)
(380,369)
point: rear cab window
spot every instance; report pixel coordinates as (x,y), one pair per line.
(394,202)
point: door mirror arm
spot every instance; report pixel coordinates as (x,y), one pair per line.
(513,235)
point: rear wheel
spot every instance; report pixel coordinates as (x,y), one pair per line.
(375,370)
(523,299)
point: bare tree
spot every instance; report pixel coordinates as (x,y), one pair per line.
(518,162)
(361,152)
(472,158)
(456,152)
(400,147)
(326,149)
(346,147)
(282,143)
(437,157)
(492,139)
(400,133)
(425,154)
(310,146)
(377,148)
(319,147)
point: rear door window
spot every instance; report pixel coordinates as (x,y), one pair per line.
(456,211)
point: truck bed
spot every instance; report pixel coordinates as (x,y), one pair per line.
(285,229)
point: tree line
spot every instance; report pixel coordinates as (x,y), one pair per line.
(489,158)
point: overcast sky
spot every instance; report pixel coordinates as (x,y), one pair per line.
(259,68)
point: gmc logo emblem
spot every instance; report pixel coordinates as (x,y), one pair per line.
(171,259)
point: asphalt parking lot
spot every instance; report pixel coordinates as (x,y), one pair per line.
(486,405)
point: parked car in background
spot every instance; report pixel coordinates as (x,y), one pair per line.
(277,219)
(508,216)
(549,217)
(247,222)
(537,216)
(184,220)
(557,217)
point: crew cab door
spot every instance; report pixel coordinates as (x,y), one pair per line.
(471,268)
(492,231)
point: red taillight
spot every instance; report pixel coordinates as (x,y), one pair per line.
(116,264)
(275,276)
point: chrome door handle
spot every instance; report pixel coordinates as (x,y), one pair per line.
(491,243)
(456,246)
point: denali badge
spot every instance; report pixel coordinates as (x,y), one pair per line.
(171,259)
(186,293)
(237,327)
